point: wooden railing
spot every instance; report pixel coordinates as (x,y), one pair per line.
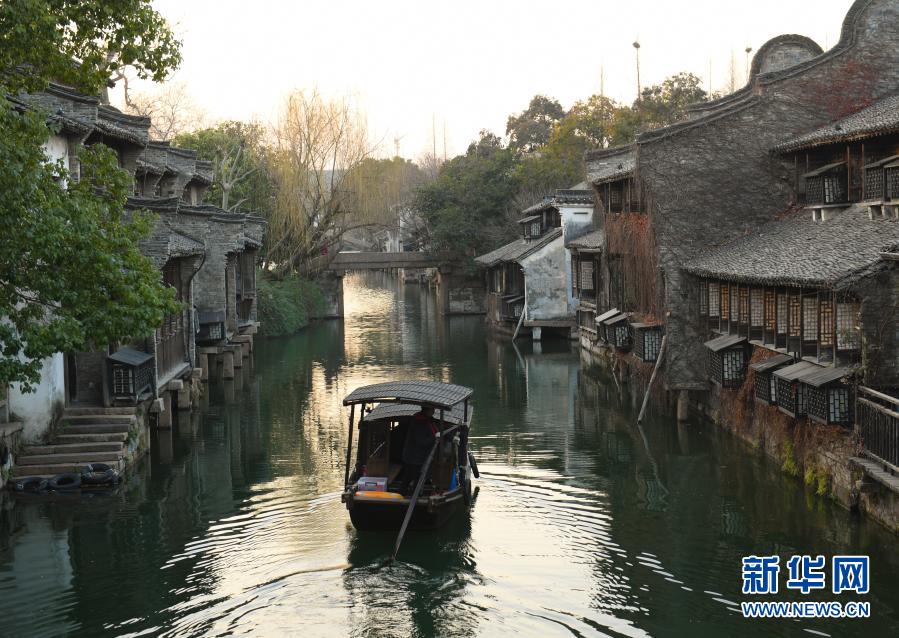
(877,415)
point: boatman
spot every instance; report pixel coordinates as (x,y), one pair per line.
(420,437)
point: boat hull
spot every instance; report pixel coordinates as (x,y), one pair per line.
(368,514)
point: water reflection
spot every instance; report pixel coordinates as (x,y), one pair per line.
(583,523)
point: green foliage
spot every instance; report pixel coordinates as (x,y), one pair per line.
(71,274)
(40,39)
(469,206)
(530,129)
(240,155)
(788,458)
(666,103)
(287,305)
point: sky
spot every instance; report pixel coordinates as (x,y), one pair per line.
(419,68)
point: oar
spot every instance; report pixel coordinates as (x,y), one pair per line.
(417,491)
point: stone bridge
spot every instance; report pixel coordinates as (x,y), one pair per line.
(457,294)
(351,260)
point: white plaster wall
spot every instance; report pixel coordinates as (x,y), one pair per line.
(57,148)
(36,409)
(576,222)
(547,282)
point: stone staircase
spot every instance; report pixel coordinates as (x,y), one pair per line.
(84,436)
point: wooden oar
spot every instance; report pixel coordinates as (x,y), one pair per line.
(417,491)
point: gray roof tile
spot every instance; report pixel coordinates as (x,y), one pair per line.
(517,250)
(607,165)
(800,252)
(594,240)
(879,118)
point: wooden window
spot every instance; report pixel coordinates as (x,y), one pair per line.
(847,326)
(743,293)
(575,264)
(756,307)
(734,302)
(874,183)
(781,313)
(825,321)
(714,299)
(703,298)
(892,179)
(810,318)
(725,302)
(770,311)
(586,274)
(795,316)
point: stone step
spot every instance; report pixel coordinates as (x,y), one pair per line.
(66,448)
(70,411)
(49,470)
(94,429)
(81,419)
(70,457)
(112,437)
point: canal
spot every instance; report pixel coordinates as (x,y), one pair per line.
(583,524)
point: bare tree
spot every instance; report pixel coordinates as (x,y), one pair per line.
(171,109)
(318,144)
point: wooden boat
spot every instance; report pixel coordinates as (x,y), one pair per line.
(376,489)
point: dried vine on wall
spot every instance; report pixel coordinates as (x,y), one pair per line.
(630,237)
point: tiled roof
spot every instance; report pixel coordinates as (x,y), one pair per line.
(607,165)
(517,250)
(800,252)
(591,241)
(574,196)
(181,245)
(879,118)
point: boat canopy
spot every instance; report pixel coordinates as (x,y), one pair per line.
(430,393)
(456,416)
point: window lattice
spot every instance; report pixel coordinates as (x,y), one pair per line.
(791,396)
(829,404)
(714,300)
(734,302)
(703,298)
(586,276)
(122,380)
(733,365)
(892,179)
(795,316)
(770,311)
(744,304)
(874,183)
(725,302)
(781,313)
(575,267)
(814,190)
(847,326)
(833,189)
(809,318)
(825,321)
(762,386)
(756,307)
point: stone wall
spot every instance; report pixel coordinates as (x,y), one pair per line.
(460,295)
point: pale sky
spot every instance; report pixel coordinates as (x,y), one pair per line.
(468,64)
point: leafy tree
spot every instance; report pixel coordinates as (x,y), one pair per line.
(42,40)
(666,103)
(530,129)
(71,274)
(239,153)
(469,207)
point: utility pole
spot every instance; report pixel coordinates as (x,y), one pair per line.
(710,78)
(637,51)
(444,141)
(602,80)
(434,137)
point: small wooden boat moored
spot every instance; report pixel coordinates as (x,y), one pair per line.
(377,485)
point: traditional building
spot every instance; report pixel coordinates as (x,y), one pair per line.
(528,280)
(822,285)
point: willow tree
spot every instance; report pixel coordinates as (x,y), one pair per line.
(318,143)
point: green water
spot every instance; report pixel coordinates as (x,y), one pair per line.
(583,525)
